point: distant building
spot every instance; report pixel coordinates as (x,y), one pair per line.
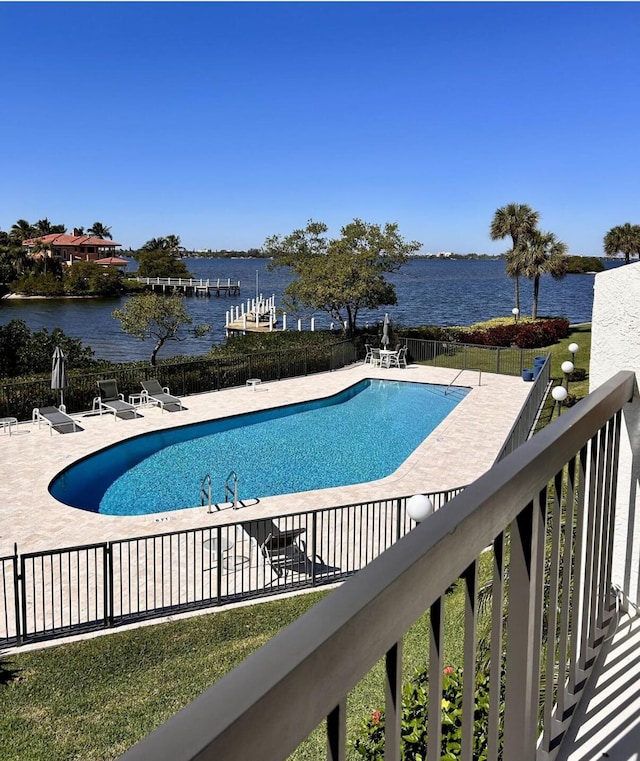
(69,248)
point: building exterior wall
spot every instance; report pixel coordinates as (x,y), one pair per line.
(615,345)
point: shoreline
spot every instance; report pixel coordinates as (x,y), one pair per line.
(22,296)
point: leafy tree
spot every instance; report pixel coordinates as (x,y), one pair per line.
(624,239)
(39,284)
(100,230)
(160,263)
(79,230)
(23,352)
(515,220)
(578,265)
(340,276)
(543,254)
(92,278)
(161,318)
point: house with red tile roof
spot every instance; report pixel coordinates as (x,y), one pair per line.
(70,248)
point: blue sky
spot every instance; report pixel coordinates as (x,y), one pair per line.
(225,123)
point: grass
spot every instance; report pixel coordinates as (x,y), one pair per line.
(91,700)
(581,334)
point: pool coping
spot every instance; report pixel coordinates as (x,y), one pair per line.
(460,449)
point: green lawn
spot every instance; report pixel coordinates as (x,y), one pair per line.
(91,700)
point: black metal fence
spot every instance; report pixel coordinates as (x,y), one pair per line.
(183,378)
(489,359)
(54,593)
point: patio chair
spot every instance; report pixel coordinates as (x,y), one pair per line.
(56,420)
(368,353)
(399,359)
(160,395)
(376,359)
(283,550)
(110,400)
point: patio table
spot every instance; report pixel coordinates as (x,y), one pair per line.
(385,357)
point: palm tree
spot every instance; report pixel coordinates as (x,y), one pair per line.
(543,254)
(43,227)
(624,239)
(155,244)
(515,220)
(100,230)
(173,243)
(21,230)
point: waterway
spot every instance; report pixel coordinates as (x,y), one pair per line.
(429,291)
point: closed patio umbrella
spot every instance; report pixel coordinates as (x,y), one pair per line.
(385,332)
(59,379)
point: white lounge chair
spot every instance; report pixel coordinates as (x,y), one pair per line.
(111,401)
(160,395)
(55,419)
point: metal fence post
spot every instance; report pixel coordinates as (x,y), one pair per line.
(16,594)
(109,603)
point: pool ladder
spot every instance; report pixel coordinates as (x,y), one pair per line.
(231,490)
(205,493)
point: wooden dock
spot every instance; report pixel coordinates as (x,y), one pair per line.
(257,316)
(192,286)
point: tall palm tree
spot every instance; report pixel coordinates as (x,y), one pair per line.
(624,239)
(543,254)
(100,230)
(515,220)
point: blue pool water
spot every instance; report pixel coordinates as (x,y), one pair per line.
(361,434)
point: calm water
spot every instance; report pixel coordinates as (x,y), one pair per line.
(430,292)
(155,472)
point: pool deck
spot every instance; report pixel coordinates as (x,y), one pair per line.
(460,449)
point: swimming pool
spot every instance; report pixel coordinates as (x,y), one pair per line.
(361,434)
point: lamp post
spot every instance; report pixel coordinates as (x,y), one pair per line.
(419,507)
(515,312)
(559,393)
(567,368)
(573,348)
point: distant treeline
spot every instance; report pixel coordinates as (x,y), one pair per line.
(252,253)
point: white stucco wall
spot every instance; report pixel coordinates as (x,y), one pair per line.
(615,345)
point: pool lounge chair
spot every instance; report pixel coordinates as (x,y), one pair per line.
(155,393)
(111,401)
(55,419)
(282,550)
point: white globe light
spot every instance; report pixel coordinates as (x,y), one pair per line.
(567,367)
(419,507)
(559,393)
(573,348)
(515,311)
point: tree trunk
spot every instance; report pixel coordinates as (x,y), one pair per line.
(536,289)
(517,292)
(155,351)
